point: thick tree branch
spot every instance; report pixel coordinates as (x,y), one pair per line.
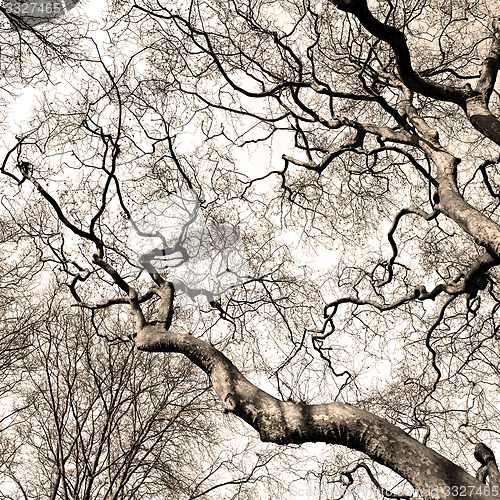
(484,230)
(166,307)
(474,102)
(476,106)
(489,465)
(336,423)
(397,41)
(487,79)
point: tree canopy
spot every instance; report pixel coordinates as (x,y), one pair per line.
(299,199)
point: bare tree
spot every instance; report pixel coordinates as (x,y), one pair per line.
(386,116)
(97,419)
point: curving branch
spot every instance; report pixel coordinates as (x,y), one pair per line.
(488,463)
(482,168)
(485,231)
(396,39)
(470,283)
(390,237)
(473,101)
(336,423)
(476,106)
(133,297)
(26,170)
(351,146)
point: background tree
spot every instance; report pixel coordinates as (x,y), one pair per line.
(97,420)
(382,121)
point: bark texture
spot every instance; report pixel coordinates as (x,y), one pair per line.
(335,423)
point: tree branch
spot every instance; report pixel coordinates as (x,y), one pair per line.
(489,465)
(131,292)
(397,42)
(476,106)
(474,102)
(336,423)
(390,237)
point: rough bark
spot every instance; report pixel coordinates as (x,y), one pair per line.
(336,423)
(485,457)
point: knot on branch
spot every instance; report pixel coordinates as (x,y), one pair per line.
(483,454)
(488,463)
(230,403)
